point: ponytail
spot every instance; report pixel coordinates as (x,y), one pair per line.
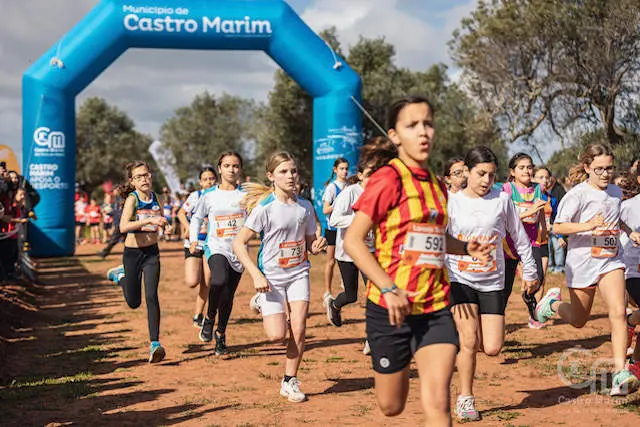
(256,193)
(377,152)
(125,190)
(338,161)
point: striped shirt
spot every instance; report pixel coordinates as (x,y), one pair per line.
(402,203)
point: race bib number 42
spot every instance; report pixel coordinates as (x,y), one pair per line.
(425,246)
(604,243)
(292,254)
(227,226)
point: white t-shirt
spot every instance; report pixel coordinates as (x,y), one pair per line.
(282,257)
(342,217)
(487,219)
(593,253)
(330,194)
(630,214)
(189,208)
(226,218)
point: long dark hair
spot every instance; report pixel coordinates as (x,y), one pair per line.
(208,169)
(514,162)
(480,154)
(452,161)
(339,161)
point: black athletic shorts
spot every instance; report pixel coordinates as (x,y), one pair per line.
(491,302)
(633,287)
(330,235)
(80,224)
(107,226)
(188,254)
(392,348)
(543,250)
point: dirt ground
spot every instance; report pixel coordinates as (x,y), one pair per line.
(73,353)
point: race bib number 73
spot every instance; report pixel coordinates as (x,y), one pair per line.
(292,254)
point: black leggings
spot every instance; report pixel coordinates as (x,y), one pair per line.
(224,282)
(136,262)
(349,273)
(510,267)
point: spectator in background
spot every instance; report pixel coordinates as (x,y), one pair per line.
(93,219)
(116,236)
(10,223)
(107,209)
(3,170)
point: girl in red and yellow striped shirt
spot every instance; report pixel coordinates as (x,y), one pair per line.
(408,290)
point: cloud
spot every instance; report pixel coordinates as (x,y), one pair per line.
(150,84)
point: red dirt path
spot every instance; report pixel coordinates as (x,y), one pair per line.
(81,360)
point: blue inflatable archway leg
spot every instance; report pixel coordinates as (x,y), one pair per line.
(51,84)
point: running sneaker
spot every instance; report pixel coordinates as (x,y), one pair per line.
(530,302)
(333,314)
(206,332)
(534,324)
(197,321)
(116,274)
(367,349)
(544,311)
(254,304)
(624,383)
(156,352)
(325,298)
(221,345)
(291,390)
(466,409)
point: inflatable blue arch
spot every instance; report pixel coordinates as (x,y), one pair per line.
(50,85)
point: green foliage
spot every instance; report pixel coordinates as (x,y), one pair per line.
(198,133)
(561,64)
(106,140)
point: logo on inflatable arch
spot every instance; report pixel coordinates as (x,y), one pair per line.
(49,143)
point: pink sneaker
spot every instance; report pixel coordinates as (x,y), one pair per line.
(534,324)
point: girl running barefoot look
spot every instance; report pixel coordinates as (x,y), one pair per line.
(486,215)
(221,205)
(141,219)
(287,226)
(408,313)
(196,272)
(590,215)
(332,190)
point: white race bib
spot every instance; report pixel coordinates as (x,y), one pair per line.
(292,254)
(425,245)
(604,243)
(227,226)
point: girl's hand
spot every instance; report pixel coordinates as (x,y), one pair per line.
(635,238)
(193,248)
(595,222)
(398,305)
(318,245)
(157,220)
(538,204)
(261,284)
(562,243)
(480,251)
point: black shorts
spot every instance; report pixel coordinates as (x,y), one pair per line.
(633,287)
(94,225)
(107,226)
(543,250)
(330,235)
(188,254)
(491,302)
(392,348)
(80,224)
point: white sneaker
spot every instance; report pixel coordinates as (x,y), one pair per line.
(254,303)
(291,390)
(366,350)
(466,409)
(325,298)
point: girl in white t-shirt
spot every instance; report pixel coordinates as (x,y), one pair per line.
(287,226)
(590,214)
(485,215)
(341,218)
(221,206)
(630,216)
(196,269)
(332,190)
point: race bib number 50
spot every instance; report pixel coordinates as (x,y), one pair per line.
(604,243)
(425,246)
(292,254)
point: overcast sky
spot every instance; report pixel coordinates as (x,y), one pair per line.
(150,84)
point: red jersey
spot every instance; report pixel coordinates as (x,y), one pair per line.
(408,207)
(93,214)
